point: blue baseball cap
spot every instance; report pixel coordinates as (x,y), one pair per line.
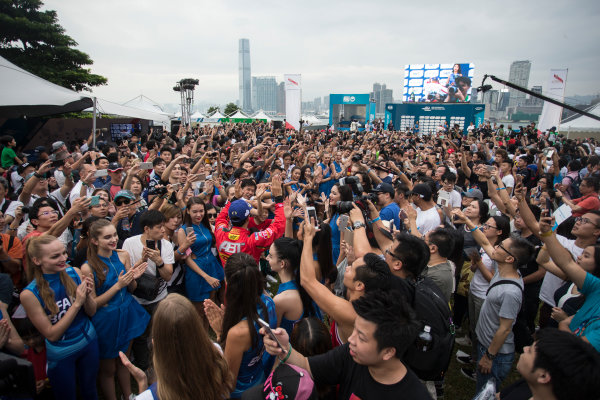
(239,211)
(124,193)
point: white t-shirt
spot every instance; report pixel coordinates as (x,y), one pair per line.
(480,285)
(427,220)
(134,247)
(552,282)
(74,194)
(509,182)
(454,196)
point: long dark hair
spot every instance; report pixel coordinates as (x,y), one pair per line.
(345,195)
(303,173)
(503,224)
(244,287)
(322,246)
(187,219)
(291,250)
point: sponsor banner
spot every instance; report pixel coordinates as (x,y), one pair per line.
(555,89)
(438,83)
(293,100)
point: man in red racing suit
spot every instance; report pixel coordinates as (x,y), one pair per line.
(237,238)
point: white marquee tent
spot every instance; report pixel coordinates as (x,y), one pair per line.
(261,115)
(25,94)
(581,123)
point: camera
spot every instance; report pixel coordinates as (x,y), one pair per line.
(25,210)
(452,90)
(356,158)
(158,191)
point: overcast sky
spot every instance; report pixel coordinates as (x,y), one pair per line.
(145,46)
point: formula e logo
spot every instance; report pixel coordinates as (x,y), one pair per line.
(426,108)
(349,99)
(390,108)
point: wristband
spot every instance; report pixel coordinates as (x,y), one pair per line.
(474,229)
(180,253)
(546,234)
(160,266)
(376,219)
(84,184)
(37,175)
(287,356)
(502,188)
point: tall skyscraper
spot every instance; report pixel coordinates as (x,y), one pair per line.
(381,96)
(245,77)
(519,75)
(281,98)
(264,93)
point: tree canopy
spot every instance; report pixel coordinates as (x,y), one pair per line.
(231,108)
(35,41)
(211,110)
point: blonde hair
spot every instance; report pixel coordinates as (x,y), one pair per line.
(97,265)
(34,250)
(180,339)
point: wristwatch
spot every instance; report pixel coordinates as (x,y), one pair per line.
(359,224)
(490,356)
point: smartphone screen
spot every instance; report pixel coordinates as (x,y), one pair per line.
(151,244)
(343,222)
(146,165)
(312,213)
(263,323)
(101,173)
(95,201)
(189,230)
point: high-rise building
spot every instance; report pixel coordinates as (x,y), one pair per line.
(490,99)
(519,75)
(534,101)
(281,98)
(381,96)
(264,93)
(244,75)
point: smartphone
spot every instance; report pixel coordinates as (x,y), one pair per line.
(269,331)
(490,168)
(176,186)
(101,173)
(95,201)
(259,163)
(201,177)
(284,147)
(151,244)
(146,165)
(189,230)
(312,213)
(349,237)
(343,222)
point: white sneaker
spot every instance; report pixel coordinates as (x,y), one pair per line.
(464,341)
(461,353)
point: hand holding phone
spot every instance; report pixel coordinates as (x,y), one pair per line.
(269,331)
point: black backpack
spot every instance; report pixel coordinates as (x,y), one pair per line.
(431,309)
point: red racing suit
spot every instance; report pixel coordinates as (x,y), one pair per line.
(240,240)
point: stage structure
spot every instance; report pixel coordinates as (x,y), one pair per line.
(345,108)
(186,88)
(427,117)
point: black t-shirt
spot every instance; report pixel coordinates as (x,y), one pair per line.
(356,383)
(516,391)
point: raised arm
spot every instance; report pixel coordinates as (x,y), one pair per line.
(561,256)
(475,231)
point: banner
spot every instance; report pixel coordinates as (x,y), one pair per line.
(551,113)
(293,100)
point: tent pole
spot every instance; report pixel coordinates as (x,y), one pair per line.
(94,125)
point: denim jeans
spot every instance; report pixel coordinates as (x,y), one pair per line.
(500,368)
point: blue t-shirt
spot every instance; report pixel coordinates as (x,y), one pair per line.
(587,319)
(391,212)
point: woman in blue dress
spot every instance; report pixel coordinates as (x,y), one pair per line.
(119,318)
(326,171)
(58,303)
(237,329)
(338,193)
(291,302)
(203,273)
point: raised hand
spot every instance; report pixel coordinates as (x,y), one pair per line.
(125,278)
(214,314)
(138,270)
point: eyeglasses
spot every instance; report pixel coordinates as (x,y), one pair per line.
(101,205)
(488,226)
(508,252)
(120,202)
(389,253)
(47,213)
(585,221)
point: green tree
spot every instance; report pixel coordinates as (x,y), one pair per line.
(211,110)
(231,108)
(35,41)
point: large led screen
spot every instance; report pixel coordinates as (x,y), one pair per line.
(438,83)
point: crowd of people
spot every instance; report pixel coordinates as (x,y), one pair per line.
(244,261)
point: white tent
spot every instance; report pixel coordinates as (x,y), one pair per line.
(261,115)
(239,114)
(110,108)
(217,115)
(197,116)
(25,94)
(581,123)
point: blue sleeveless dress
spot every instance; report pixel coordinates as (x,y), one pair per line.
(256,362)
(335,238)
(122,319)
(79,334)
(287,324)
(196,286)
(325,187)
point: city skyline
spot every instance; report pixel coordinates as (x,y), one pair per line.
(317,43)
